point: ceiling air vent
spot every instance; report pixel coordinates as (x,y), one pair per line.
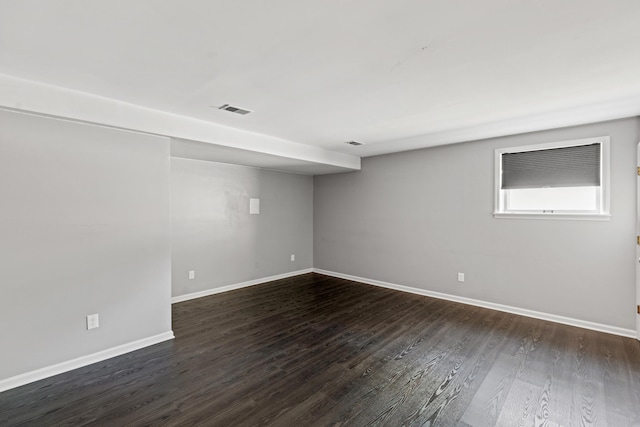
(233,109)
(356,143)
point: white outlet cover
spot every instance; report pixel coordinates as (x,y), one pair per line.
(93,321)
(293,257)
(192,274)
(460,277)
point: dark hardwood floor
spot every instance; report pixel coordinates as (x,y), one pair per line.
(319,351)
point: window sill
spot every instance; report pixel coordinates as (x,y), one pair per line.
(560,216)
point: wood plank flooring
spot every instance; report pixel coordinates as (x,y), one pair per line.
(319,351)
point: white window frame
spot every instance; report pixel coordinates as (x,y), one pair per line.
(603,194)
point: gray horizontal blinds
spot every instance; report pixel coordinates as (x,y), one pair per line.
(577,166)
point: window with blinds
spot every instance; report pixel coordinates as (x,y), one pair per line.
(566,179)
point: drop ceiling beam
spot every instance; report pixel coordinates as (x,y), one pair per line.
(33,97)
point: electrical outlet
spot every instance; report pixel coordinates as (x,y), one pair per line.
(460,277)
(293,257)
(93,321)
(192,274)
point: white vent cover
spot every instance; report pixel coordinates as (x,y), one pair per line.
(236,110)
(356,143)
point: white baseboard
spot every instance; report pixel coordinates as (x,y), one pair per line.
(59,368)
(79,362)
(479,303)
(212,291)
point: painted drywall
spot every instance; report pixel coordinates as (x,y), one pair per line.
(418,218)
(214,234)
(84,220)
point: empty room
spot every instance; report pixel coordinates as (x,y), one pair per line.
(319,213)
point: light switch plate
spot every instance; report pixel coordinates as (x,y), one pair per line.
(254,206)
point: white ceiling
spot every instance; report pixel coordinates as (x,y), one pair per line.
(395,75)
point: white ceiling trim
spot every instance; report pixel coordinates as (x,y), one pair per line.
(592,113)
(28,96)
(259,150)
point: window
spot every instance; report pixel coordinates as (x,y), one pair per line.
(568,180)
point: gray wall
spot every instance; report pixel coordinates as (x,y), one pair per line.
(417,218)
(214,235)
(84,221)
